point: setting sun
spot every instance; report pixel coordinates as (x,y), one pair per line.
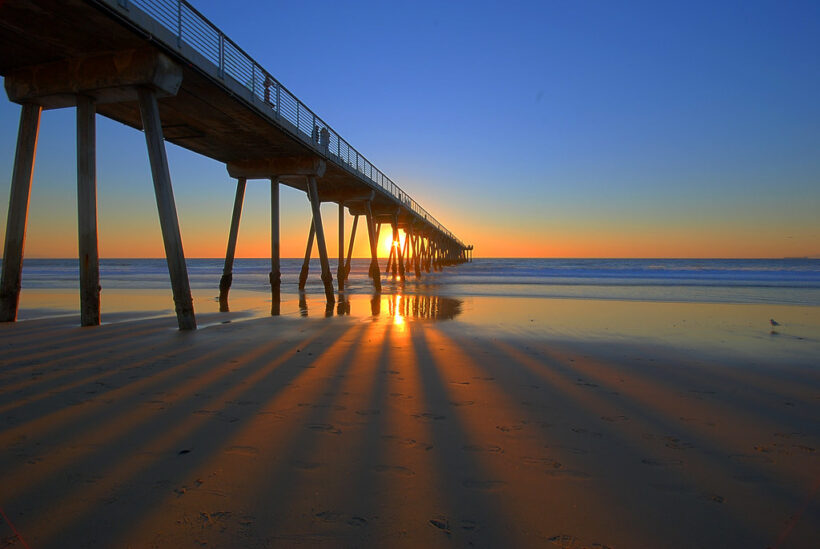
(386,240)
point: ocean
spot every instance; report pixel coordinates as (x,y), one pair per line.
(751,281)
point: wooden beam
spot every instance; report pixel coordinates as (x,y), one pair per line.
(390,259)
(350,248)
(327,277)
(87,212)
(167,210)
(227,270)
(107,78)
(303,274)
(278,166)
(18,211)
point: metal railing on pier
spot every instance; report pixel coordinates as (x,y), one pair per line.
(187,27)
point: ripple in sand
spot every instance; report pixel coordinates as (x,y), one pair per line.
(566,541)
(751,458)
(587,432)
(324,427)
(549,462)
(664,463)
(483,448)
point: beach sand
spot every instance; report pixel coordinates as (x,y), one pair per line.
(398,431)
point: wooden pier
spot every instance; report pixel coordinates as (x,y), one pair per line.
(161,67)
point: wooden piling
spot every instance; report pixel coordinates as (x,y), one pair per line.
(18,211)
(303,274)
(394,249)
(149,110)
(327,277)
(87,212)
(415,244)
(227,270)
(390,259)
(275,275)
(340,268)
(374,258)
(350,246)
(403,255)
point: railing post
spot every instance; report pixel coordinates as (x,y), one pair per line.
(278,95)
(221,56)
(179,24)
(253,80)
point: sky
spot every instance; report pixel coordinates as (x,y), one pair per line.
(529,129)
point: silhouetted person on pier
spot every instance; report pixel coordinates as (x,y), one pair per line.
(315,134)
(324,139)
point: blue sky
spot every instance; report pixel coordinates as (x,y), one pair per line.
(527,128)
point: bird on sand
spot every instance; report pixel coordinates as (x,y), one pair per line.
(773,322)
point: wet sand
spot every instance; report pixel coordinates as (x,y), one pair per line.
(400,431)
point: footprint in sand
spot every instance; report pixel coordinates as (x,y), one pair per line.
(324,427)
(394,469)
(429,416)
(483,448)
(469,525)
(790,435)
(613,419)
(566,541)
(509,428)
(714,498)
(543,461)
(442,523)
(329,516)
(677,444)
(368,412)
(462,403)
(583,383)
(460,382)
(582,431)
(570,449)
(409,442)
(243,450)
(401,396)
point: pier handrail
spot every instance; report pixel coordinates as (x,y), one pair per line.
(192,29)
